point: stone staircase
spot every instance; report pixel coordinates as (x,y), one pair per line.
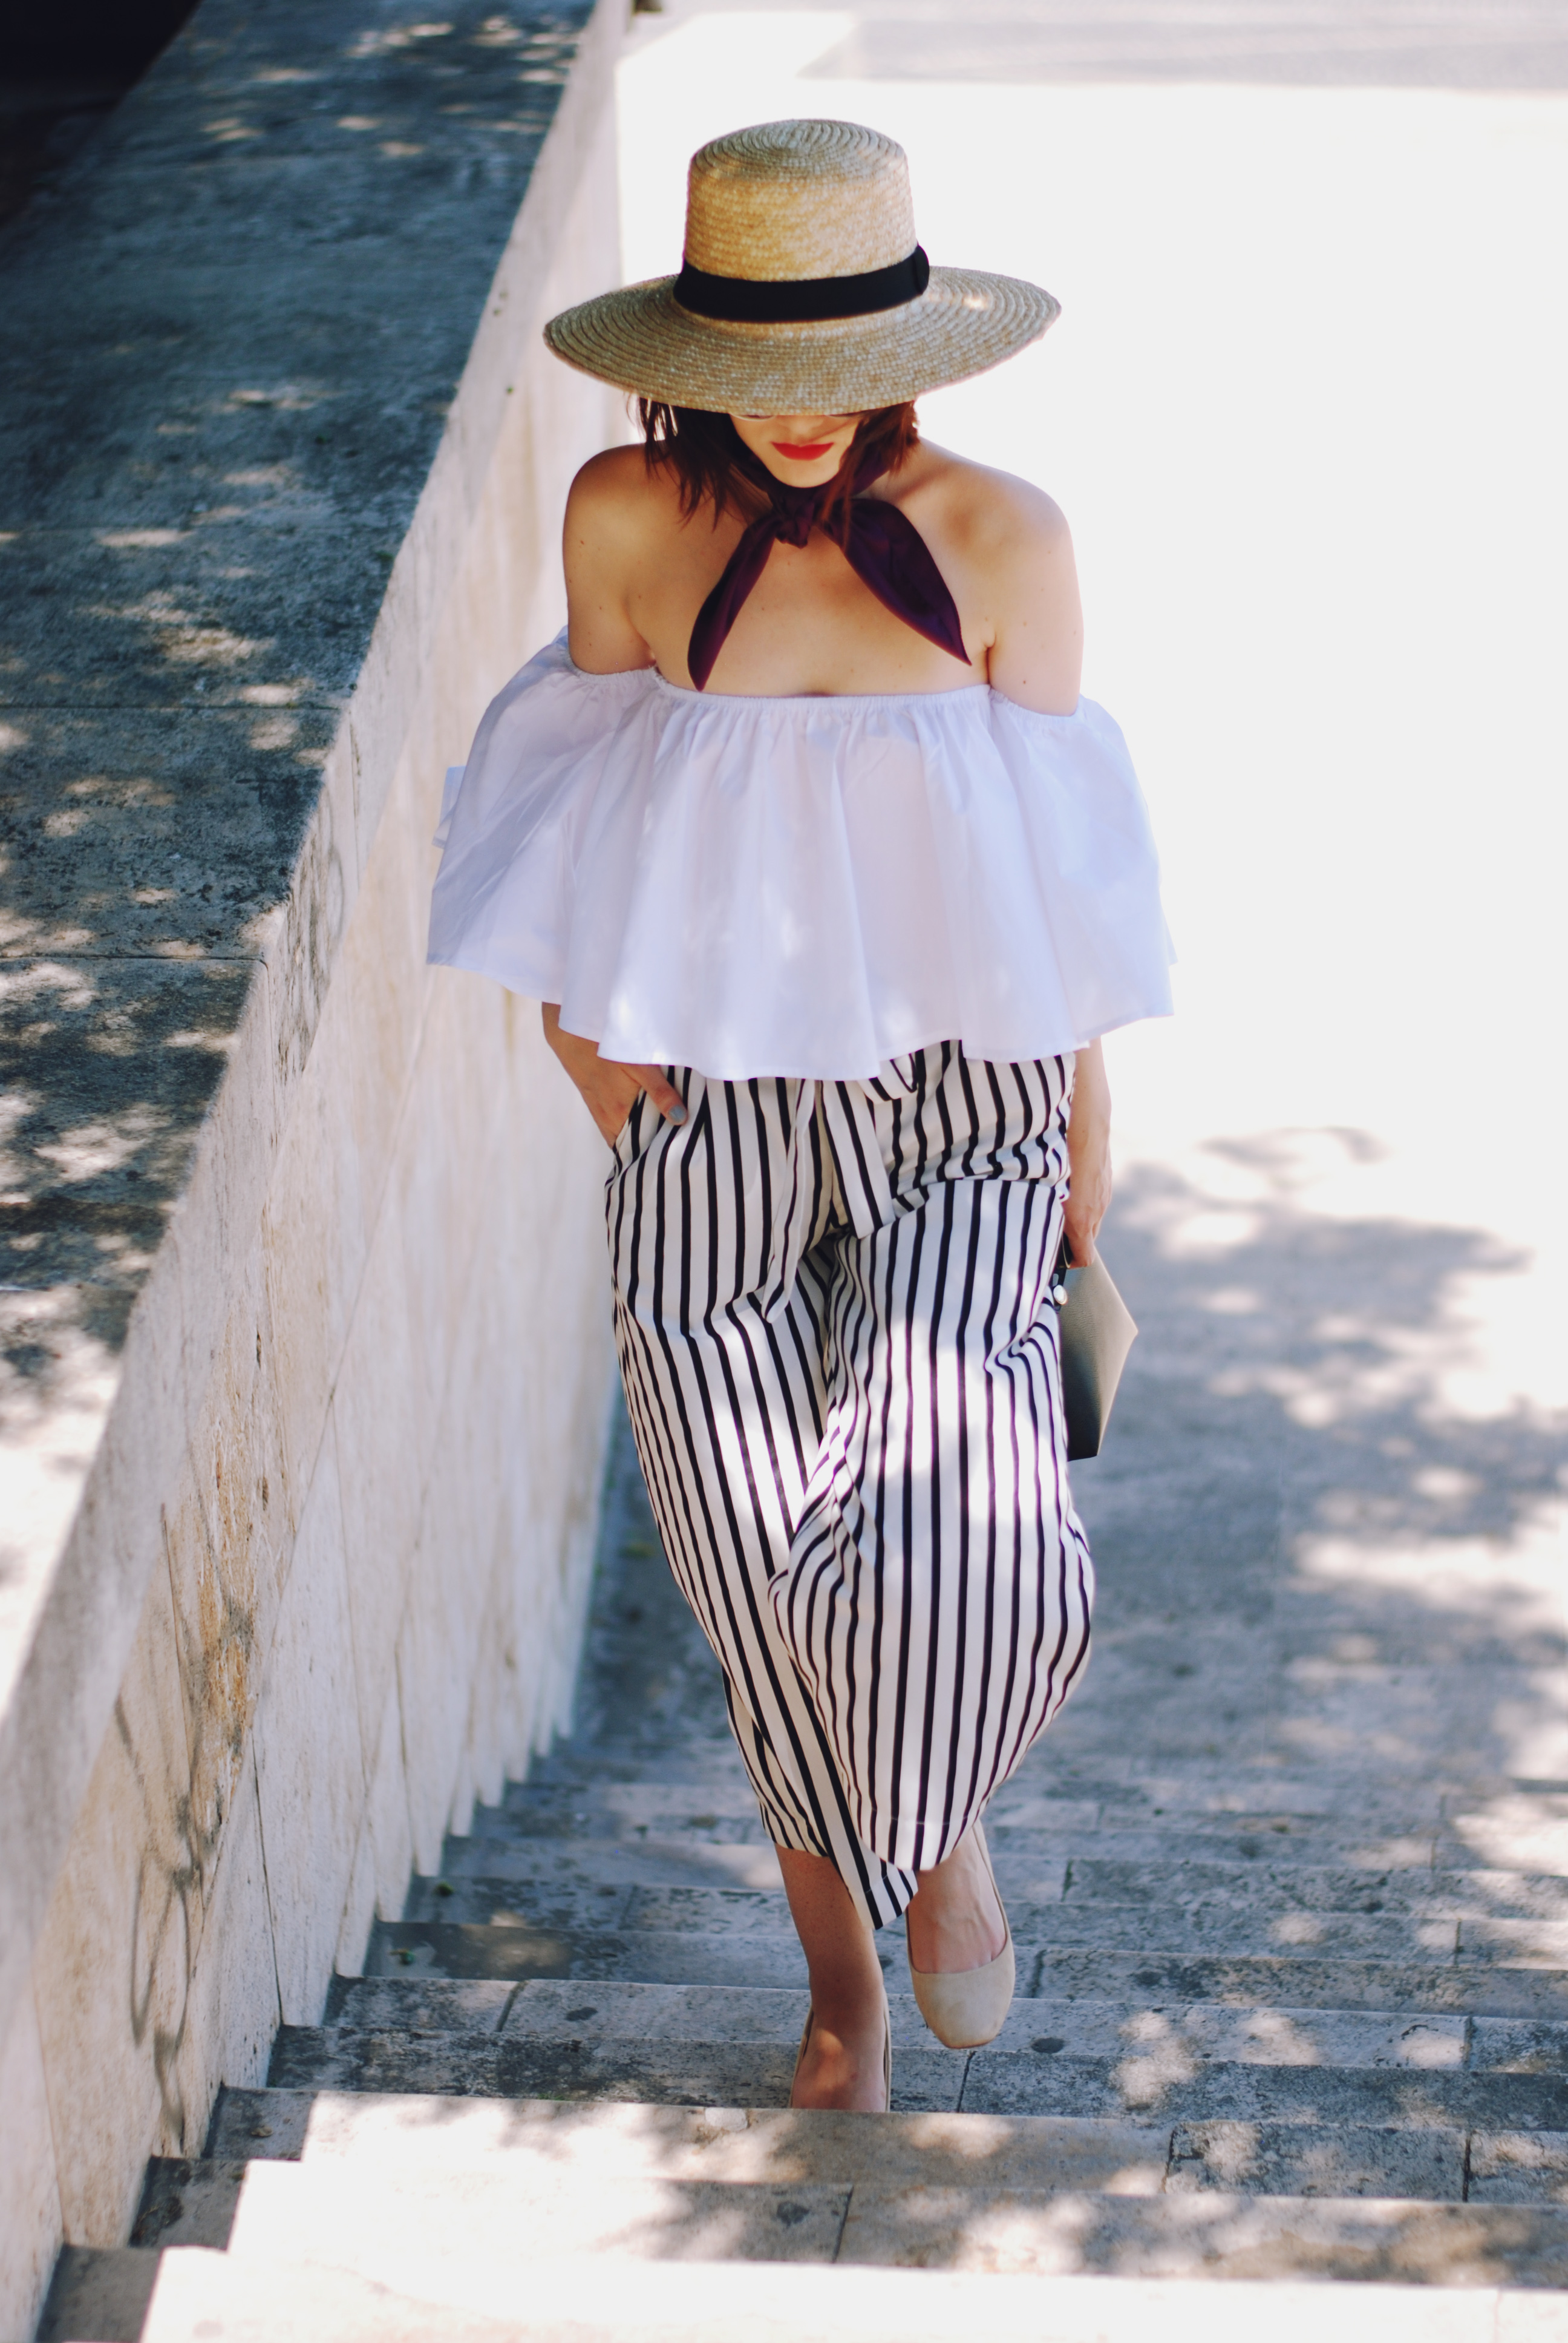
(1277,2024)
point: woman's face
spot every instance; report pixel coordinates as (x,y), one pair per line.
(804,449)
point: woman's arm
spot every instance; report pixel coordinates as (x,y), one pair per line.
(1036,645)
(606,516)
(608,1089)
(1023,546)
(598,546)
(1088,1153)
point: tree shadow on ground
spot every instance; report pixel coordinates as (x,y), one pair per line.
(1313,1556)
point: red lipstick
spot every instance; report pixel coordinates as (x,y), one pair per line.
(810,453)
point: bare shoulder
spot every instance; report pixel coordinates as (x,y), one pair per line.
(1006,550)
(620,515)
(985,514)
(617,496)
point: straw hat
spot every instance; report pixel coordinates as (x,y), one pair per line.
(803,289)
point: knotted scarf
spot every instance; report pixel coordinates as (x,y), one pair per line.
(882,548)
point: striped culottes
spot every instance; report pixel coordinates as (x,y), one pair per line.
(841,1365)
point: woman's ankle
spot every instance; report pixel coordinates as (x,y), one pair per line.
(955,1919)
(851,2017)
(843,2063)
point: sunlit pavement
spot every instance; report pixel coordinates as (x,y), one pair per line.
(1304,411)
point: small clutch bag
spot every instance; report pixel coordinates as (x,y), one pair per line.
(1096,1333)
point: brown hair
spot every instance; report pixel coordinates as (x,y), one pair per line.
(705,452)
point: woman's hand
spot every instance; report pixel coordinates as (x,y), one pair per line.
(609,1090)
(1087,1154)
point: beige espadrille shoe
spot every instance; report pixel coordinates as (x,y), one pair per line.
(967,2007)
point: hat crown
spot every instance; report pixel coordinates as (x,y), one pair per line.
(790,200)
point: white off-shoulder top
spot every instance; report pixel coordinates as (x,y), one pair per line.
(800,886)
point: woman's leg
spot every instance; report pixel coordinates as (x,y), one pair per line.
(722,1313)
(937,1602)
(955,1922)
(717,1229)
(842,2063)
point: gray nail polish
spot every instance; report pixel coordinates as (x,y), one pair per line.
(675,1114)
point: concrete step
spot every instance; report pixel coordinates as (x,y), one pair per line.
(1296,1981)
(633,1796)
(1073,1833)
(1174,1907)
(1441,2104)
(188,2201)
(1165,1783)
(649,1956)
(374,2216)
(544,1807)
(1133,1868)
(1226,1927)
(657,1861)
(1171,1783)
(1194,2033)
(1172,1882)
(1167,2088)
(723,1937)
(1029,1864)
(258,2125)
(546,1884)
(1043,1829)
(525,1899)
(608,2141)
(97,2294)
(667,2073)
(605,2142)
(205,2297)
(611,2139)
(1501,1840)
(1059,1775)
(1300,1978)
(680,1759)
(613,1809)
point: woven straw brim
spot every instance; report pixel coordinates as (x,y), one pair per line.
(641,339)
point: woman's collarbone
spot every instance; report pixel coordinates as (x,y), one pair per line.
(786,647)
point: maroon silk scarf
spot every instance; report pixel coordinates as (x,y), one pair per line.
(882,548)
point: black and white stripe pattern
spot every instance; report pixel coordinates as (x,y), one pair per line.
(841,1361)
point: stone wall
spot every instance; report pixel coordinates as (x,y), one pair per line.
(304,1311)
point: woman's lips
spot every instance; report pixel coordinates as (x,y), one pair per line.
(807,454)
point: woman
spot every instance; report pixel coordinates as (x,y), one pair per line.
(832,883)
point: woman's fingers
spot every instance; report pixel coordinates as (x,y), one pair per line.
(610,1091)
(608,1088)
(662,1092)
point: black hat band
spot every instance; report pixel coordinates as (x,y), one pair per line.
(801,300)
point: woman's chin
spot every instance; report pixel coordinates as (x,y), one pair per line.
(804,476)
